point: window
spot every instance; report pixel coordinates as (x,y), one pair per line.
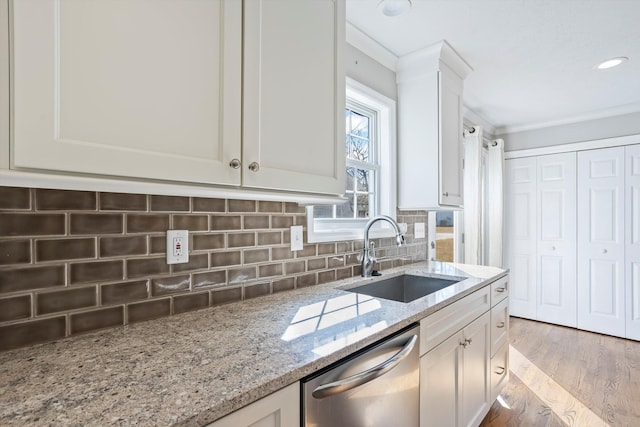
(370,169)
(445,234)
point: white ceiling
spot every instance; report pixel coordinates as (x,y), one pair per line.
(533,59)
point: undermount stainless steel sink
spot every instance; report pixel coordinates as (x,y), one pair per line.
(404,288)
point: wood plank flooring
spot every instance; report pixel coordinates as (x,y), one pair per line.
(565,377)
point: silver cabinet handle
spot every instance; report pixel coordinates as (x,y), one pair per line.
(356,380)
(500,324)
(254,166)
(234,163)
(466,342)
(500,289)
(500,370)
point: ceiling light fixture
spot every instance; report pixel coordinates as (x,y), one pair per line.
(610,63)
(394,7)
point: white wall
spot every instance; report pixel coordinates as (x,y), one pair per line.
(370,72)
(607,127)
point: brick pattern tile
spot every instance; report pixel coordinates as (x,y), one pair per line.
(77,261)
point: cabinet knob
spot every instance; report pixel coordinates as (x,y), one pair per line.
(553,248)
(604,251)
(234,163)
(466,342)
(500,370)
(254,167)
(445,194)
(500,325)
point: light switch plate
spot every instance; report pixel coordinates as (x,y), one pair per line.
(177,246)
(296,238)
(419,230)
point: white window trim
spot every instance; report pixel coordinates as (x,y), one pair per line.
(329,230)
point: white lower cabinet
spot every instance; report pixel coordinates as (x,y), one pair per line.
(280,409)
(464,367)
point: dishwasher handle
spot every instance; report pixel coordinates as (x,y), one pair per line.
(356,380)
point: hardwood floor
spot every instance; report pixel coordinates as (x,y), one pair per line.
(565,377)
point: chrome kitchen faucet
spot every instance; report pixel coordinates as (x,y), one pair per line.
(368,255)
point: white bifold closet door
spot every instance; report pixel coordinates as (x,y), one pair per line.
(632,250)
(601,242)
(556,243)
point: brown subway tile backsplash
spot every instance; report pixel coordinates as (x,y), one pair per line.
(29,224)
(190,302)
(30,278)
(209,279)
(32,332)
(15,252)
(68,299)
(96,224)
(169,285)
(96,271)
(62,249)
(14,198)
(122,246)
(203,242)
(96,319)
(259,289)
(15,308)
(169,204)
(153,309)
(241,205)
(75,261)
(118,293)
(208,205)
(123,202)
(143,267)
(191,222)
(151,223)
(64,200)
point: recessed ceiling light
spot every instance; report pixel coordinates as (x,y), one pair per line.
(394,7)
(610,63)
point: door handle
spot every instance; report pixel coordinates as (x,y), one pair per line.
(371,374)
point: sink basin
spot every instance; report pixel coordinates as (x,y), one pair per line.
(404,288)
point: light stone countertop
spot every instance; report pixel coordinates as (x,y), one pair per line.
(193,368)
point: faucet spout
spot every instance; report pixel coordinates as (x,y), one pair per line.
(369,260)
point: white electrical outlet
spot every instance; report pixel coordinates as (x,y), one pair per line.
(419,230)
(296,238)
(177,246)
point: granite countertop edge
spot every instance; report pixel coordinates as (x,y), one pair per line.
(246,372)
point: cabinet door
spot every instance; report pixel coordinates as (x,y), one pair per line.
(632,250)
(280,409)
(601,298)
(476,381)
(439,384)
(293,95)
(520,235)
(450,149)
(94,93)
(556,216)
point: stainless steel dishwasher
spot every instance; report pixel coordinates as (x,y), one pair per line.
(376,387)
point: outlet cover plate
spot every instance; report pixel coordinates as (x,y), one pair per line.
(177,246)
(419,230)
(297,239)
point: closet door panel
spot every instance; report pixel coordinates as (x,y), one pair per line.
(601,243)
(632,247)
(520,235)
(556,240)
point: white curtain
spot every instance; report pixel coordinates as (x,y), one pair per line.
(483,199)
(494,202)
(473,196)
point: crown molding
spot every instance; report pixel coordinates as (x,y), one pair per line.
(600,114)
(362,41)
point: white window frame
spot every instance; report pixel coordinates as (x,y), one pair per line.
(329,230)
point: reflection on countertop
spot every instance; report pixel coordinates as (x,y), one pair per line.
(197,367)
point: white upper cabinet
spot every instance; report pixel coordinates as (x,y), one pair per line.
(140,88)
(202,91)
(294,95)
(430,160)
